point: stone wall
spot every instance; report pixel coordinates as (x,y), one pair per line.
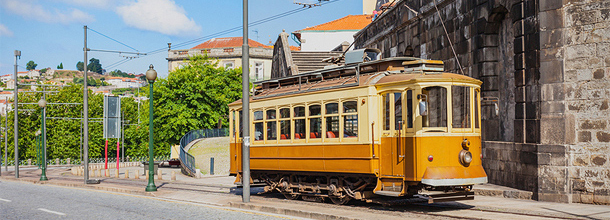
(582,43)
(548,64)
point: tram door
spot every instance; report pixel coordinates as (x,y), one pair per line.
(393,140)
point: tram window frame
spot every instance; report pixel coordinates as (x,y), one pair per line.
(397,106)
(386,110)
(409,98)
(344,119)
(444,98)
(477,109)
(297,119)
(271,125)
(311,117)
(333,117)
(284,120)
(258,123)
(241,123)
(457,108)
(232,125)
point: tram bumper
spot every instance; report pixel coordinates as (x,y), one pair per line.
(454,176)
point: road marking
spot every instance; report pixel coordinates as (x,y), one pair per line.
(52,212)
(5,200)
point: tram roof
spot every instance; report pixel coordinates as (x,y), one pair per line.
(392,72)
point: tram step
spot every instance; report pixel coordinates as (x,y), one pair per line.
(388,193)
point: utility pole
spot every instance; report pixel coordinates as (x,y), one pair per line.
(86,114)
(245,82)
(16,131)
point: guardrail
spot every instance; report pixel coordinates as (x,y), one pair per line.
(187,160)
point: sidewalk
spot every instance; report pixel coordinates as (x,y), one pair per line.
(220,191)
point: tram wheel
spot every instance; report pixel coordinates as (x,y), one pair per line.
(291,196)
(340,201)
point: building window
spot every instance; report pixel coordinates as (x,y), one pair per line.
(259,71)
(228,50)
(183,52)
(205,51)
(229,65)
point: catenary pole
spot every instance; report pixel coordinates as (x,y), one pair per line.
(16,121)
(245,66)
(85,113)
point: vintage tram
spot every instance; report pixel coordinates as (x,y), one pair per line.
(367,130)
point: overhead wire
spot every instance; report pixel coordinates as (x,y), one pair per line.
(112,39)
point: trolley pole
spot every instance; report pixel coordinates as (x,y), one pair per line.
(16,121)
(245,66)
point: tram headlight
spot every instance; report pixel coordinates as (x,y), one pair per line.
(465,157)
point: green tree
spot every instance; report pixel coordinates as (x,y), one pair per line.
(94,66)
(60,66)
(194,97)
(31,65)
(43,70)
(80,66)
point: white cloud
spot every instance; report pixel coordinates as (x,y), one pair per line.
(32,10)
(90,3)
(4,31)
(162,16)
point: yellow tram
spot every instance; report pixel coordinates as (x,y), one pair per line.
(366,130)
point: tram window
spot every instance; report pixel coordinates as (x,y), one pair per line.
(271,114)
(460,98)
(299,111)
(233,128)
(476,108)
(241,124)
(314,110)
(350,107)
(350,122)
(332,127)
(332,108)
(258,115)
(299,129)
(409,109)
(397,111)
(258,131)
(315,128)
(284,129)
(285,113)
(386,111)
(437,107)
(271,130)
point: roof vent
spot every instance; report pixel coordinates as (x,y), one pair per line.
(429,66)
(361,55)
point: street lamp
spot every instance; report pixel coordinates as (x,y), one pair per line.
(43,104)
(151,75)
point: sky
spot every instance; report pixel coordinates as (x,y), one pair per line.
(51,32)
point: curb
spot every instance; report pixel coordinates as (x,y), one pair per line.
(285,211)
(510,194)
(96,187)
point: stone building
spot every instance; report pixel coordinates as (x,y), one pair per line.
(228,51)
(547,62)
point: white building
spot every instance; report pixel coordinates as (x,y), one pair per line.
(123,82)
(329,36)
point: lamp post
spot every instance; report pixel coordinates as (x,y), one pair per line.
(151,75)
(43,104)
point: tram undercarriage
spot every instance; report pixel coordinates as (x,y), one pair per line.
(340,188)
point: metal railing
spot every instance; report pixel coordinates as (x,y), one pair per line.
(187,160)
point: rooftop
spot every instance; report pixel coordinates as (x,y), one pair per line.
(227,42)
(350,22)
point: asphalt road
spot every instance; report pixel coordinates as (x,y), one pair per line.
(30,201)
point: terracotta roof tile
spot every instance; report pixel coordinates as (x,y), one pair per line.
(350,22)
(227,42)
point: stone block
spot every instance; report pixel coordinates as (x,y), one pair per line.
(520,78)
(552,19)
(519,130)
(551,148)
(530,25)
(488,54)
(584,136)
(490,83)
(550,53)
(519,61)
(551,71)
(552,130)
(532,131)
(517,11)
(599,160)
(580,51)
(551,4)
(544,158)
(598,74)
(602,136)
(583,18)
(593,124)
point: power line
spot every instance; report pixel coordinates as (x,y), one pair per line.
(112,39)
